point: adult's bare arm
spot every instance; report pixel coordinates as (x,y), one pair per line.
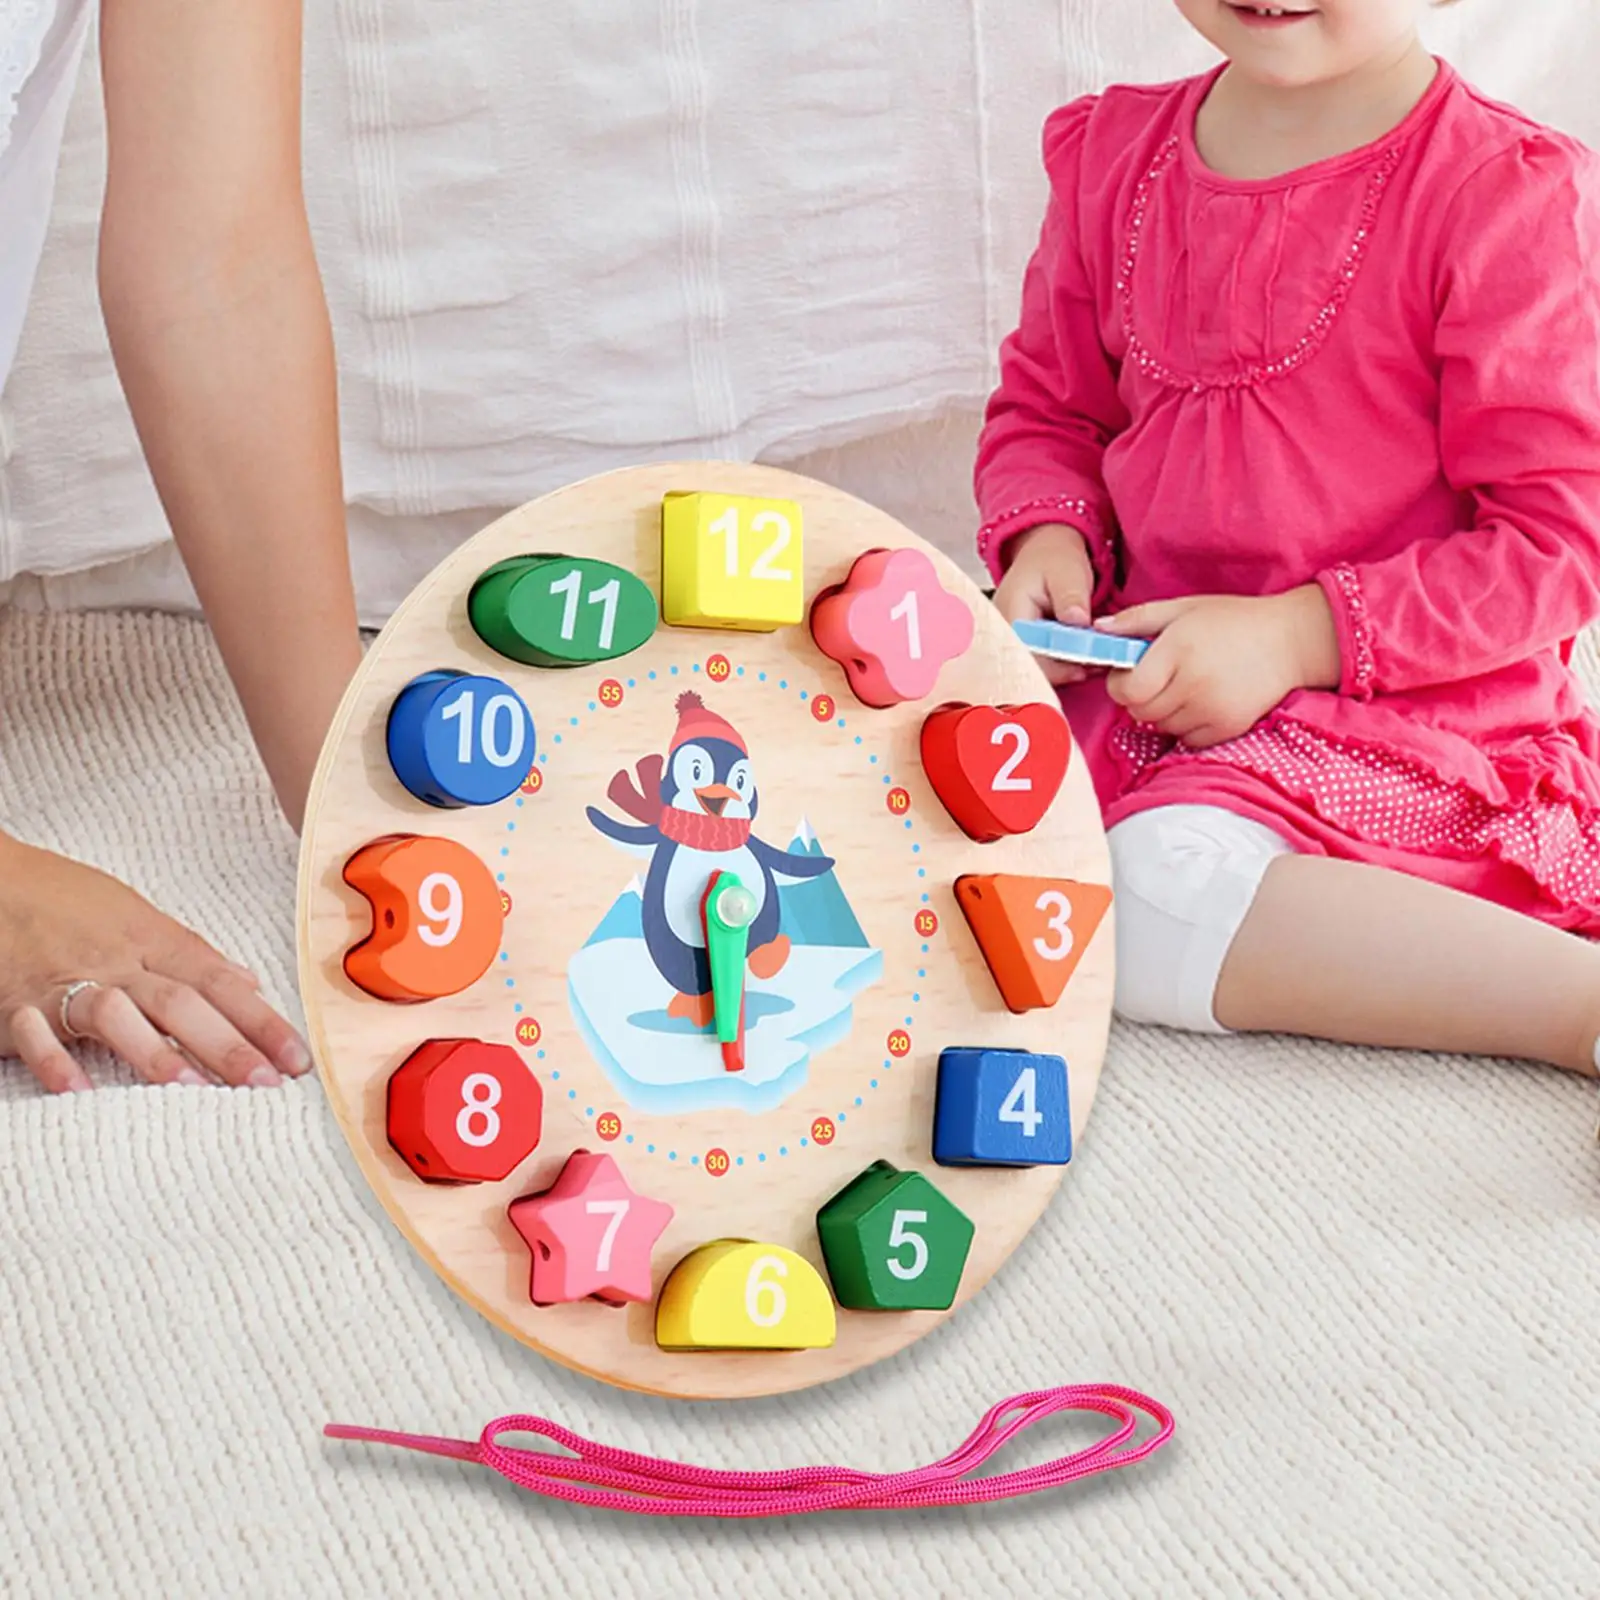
(220,330)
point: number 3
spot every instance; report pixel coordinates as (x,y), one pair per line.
(1059,924)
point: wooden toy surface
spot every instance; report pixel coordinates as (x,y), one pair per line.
(751,1155)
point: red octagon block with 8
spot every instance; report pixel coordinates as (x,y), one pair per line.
(461,1111)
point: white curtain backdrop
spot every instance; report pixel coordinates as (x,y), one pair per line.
(559,239)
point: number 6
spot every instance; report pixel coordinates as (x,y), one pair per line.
(756,1286)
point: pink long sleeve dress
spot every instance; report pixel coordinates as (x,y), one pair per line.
(1381,374)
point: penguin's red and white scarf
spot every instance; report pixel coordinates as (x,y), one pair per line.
(701,831)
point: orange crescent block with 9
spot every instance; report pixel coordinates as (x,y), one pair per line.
(461,1111)
(1032,931)
(736,1295)
(436,918)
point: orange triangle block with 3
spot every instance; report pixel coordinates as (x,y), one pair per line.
(1032,931)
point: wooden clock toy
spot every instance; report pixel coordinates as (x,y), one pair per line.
(705,930)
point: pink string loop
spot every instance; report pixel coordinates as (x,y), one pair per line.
(595,1474)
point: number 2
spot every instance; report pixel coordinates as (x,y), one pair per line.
(1021,1106)
(900,1235)
(1060,924)
(616,1210)
(1005,780)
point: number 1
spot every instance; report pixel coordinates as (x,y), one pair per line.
(606,596)
(571,586)
(616,1210)
(908,609)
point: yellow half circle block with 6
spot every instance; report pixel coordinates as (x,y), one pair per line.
(738,1295)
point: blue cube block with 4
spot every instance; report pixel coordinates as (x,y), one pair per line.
(1002,1108)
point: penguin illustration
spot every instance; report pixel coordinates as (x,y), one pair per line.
(695,810)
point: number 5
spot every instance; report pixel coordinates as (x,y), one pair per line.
(901,1235)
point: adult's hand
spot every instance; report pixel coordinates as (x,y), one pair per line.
(151,991)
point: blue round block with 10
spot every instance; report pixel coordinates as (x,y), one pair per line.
(457,739)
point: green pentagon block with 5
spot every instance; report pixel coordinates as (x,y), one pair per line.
(561,611)
(892,1242)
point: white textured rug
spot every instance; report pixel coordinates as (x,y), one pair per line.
(1369,1286)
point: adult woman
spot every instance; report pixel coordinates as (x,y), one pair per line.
(220,332)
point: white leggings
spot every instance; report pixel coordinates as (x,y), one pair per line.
(1184,877)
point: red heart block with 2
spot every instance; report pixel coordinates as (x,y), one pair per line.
(998,769)
(461,1111)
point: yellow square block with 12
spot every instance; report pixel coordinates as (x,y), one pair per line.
(731,561)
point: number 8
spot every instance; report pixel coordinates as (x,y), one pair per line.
(480,1094)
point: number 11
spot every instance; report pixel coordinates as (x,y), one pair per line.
(606,596)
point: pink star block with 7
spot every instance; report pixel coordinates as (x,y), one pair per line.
(590,1234)
(891,625)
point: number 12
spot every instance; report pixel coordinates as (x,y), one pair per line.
(761,568)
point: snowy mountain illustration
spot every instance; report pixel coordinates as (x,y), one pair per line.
(664,1063)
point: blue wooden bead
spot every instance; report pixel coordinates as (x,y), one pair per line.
(1001,1108)
(458,740)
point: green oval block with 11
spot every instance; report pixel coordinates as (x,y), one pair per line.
(561,611)
(892,1242)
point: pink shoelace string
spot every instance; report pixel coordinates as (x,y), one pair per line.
(622,1480)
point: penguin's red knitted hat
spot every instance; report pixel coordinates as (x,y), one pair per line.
(696,721)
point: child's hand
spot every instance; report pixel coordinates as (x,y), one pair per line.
(1050,577)
(160,996)
(1220,663)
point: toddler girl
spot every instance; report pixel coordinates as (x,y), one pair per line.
(1306,389)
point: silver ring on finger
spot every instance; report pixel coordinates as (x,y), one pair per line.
(65,1014)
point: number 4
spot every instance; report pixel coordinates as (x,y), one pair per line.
(1021,1107)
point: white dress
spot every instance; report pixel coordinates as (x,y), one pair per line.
(41,45)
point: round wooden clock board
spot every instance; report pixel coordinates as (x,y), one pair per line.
(576,1022)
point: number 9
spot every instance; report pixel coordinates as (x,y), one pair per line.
(449,914)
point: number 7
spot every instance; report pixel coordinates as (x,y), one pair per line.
(616,1210)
